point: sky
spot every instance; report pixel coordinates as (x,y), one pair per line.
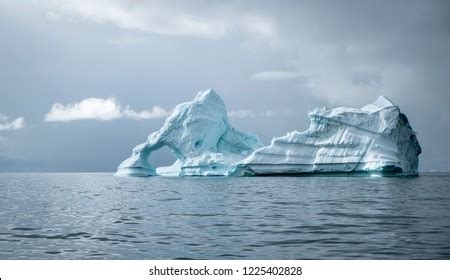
(82,82)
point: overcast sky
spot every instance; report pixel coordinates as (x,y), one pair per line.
(83,81)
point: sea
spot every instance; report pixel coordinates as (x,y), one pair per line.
(99,216)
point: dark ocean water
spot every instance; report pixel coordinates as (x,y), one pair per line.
(98,216)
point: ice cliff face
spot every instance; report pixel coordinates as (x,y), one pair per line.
(375,139)
(199,135)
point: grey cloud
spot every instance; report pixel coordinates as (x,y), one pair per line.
(173,18)
(259,55)
(275,76)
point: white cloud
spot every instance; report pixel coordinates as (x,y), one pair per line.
(156,113)
(275,76)
(245,113)
(99,109)
(168,18)
(16,124)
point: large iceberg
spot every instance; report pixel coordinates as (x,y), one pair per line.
(375,139)
(199,134)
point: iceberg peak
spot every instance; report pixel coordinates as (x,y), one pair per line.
(209,96)
(379,104)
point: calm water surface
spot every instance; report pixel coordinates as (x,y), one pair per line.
(98,216)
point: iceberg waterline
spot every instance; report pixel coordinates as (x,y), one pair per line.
(375,139)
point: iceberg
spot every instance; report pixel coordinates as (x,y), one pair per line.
(376,139)
(199,134)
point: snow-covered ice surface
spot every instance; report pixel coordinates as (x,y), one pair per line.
(373,140)
(199,135)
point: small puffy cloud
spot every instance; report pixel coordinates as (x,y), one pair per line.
(16,124)
(87,109)
(99,109)
(275,76)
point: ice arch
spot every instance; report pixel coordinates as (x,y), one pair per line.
(199,135)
